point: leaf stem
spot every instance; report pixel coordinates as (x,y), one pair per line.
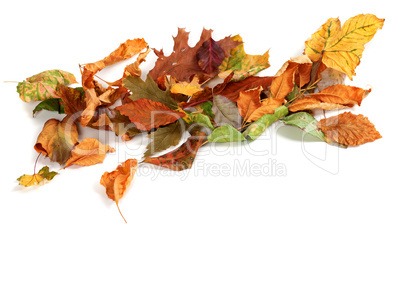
(117,204)
(36,161)
(196,103)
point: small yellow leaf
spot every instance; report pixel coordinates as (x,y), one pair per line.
(186,88)
(37,179)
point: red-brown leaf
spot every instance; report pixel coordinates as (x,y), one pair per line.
(147,114)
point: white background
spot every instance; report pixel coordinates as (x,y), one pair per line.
(334,217)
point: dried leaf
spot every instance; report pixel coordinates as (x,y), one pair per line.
(268,106)
(210,56)
(226,112)
(242,64)
(342,48)
(44,85)
(186,88)
(57,139)
(348,129)
(330,98)
(52,104)
(249,101)
(37,179)
(330,77)
(126,50)
(88,152)
(255,129)
(296,70)
(117,181)
(149,90)
(181,158)
(182,64)
(73,99)
(165,137)
(232,90)
(147,114)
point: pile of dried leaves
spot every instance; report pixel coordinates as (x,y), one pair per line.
(175,98)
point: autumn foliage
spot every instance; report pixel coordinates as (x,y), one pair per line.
(177,96)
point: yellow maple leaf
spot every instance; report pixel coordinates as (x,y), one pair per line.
(342,48)
(186,88)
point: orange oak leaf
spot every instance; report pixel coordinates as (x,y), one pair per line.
(57,139)
(117,181)
(182,63)
(147,114)
(348,129)
(296,70)
(88,152)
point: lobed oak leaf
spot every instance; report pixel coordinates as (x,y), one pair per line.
(88,152)
(57,139)
(182,63)
(117,181)
(348,129)
(342,48)
(147,114)
(42,176)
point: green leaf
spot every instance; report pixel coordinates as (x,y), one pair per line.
(44,85)
(149,90)
(306,122)
(200,119)
(207,109)
(52,104)
(165,137)
(226,111)
(225,133)
(255,129)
